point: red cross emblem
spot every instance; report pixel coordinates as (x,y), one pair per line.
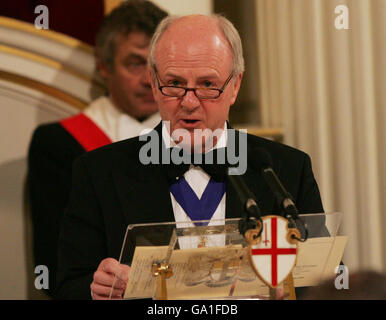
(274,257)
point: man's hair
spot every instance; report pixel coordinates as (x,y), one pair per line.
(228,29)
(131,16)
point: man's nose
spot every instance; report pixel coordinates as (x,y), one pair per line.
(190,101)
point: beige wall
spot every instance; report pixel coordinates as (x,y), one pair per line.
(182,7)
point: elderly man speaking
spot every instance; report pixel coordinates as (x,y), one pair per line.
(196,66)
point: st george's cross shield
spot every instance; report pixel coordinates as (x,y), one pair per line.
(274,257)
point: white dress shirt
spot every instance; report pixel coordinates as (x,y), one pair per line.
(197,179)
(116,124)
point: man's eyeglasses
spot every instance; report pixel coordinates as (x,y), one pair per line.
(201,93)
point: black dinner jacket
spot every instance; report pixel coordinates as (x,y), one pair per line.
(112,189)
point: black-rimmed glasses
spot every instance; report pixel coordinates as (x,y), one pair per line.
(201,93)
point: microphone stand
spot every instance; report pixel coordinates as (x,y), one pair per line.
(285,200)
(249,205)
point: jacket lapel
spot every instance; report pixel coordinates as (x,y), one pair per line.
(143,200)
(143,190)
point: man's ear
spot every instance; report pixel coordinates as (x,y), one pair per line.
(236,83)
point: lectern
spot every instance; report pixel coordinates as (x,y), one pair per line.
(212,260)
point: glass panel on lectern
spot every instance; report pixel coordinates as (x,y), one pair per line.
(212,261)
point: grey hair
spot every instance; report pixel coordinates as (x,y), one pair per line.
(228,29)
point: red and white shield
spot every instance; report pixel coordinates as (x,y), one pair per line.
(273,257)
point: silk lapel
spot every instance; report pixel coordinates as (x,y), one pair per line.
(143,190)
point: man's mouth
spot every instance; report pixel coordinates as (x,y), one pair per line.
(190,123)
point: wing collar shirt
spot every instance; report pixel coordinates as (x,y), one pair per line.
(197,179)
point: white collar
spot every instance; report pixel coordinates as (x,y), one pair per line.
(116,124)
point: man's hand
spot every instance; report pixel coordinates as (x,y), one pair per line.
(104,280)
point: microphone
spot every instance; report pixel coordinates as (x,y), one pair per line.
(263,161)
(283,197)
(248,201)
